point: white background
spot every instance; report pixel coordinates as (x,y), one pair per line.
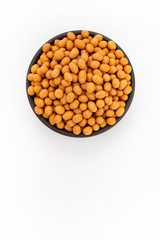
(103,187)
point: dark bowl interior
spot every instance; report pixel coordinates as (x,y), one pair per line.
(63,131)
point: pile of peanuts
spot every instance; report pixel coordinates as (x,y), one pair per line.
(80,83)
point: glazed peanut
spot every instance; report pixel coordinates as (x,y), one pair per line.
(99,120)
(77,118)
(43,93)
(92,106)
(82,76)
(87,130)
(76,129)
(111,120)
(58,118)
(58,93)
(111,45)
(74,53)
(55,73)
(73,67)
(48,110)
(74,104)
(38,102)
(123,84)
(91,121)
(120,111)
(52,119)
(100,103)
(90,87)
(59,110)
(120,74)
(104,67)
(71,36)
(31,91)
(77,90)
(81,63)
(101,94)
(89,48)
(83,98)
(87,114)
(48,101)
(46,47)
(97,79)
(68,76)
(85,34)
(94,64)
(107,86)
(127,90)
(38,110)
(98,56)
(37,78)
(114,105)
(58,55)
(70,97)
(68,115)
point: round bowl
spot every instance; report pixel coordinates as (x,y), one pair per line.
(63,131)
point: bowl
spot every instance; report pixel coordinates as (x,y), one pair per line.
(63,131)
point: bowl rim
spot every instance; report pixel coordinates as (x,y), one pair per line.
(63,131)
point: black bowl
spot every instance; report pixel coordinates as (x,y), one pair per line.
(63,131)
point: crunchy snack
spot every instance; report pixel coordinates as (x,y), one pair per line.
(80,83)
